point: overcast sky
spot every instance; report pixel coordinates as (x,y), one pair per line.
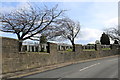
(93,16)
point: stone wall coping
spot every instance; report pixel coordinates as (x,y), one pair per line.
(8,38)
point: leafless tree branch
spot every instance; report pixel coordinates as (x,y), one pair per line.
(27,23)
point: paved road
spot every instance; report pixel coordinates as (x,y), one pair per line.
(103,68)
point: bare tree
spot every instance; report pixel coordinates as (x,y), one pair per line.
(26,23)
(113,33)
(65,29)
(70,30)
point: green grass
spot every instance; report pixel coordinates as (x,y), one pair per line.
(69,50)
(88,49)
(94,49)
(105,48)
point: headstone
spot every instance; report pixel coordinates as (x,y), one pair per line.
(39,48)
(28,48)
(34,48)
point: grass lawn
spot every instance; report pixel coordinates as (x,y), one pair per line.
(88,49)
(69,50)
(105,48)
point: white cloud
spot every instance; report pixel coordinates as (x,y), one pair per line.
(103,14)
(92,42)
(113,22)
(89,34)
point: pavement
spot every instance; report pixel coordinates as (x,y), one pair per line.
(106,67)
(103,68)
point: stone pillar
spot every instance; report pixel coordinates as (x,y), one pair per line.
(114,46)
(9,45)
(78,48)
(98,50)
(24,48)
(98,47)
(52,48)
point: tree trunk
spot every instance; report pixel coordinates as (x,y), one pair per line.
(20,46)
(73,46)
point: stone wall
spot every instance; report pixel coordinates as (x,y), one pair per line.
(9,45)
(14,61)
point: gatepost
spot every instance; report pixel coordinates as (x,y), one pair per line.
(52,49)
(78,48)
(115,48)
(98,50)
